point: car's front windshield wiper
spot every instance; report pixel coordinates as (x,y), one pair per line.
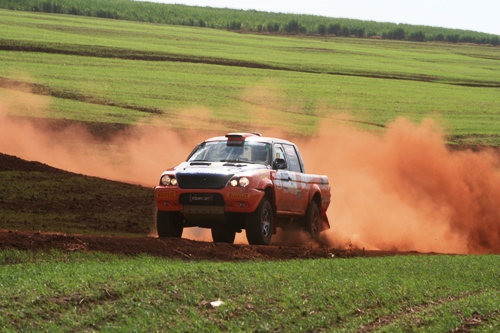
(236,161)
(200,162)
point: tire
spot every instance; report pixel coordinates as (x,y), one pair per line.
(169,224)
(312,221)
(259,224)
(223,235)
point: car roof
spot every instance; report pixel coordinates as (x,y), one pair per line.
(252,137)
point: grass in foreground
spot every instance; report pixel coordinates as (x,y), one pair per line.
(53,291)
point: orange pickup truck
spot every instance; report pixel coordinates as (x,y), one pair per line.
(242,181)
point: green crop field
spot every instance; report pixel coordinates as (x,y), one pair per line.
(112,73)
(63,292)
(127,72)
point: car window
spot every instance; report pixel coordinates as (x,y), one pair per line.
(220,151)
(260,152)
(279,152)
(210,151)
(292,158)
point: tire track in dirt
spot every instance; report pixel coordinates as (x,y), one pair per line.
(475,321)
(56,307)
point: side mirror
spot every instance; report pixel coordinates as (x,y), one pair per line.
(279,164)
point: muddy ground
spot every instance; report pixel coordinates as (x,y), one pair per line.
(174,248)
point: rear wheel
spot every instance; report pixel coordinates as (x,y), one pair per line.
(223,235)
(169,224)
(259,224)
(312,221)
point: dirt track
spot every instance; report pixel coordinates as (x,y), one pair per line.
(173,248)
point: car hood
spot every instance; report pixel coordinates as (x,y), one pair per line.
(211,175)
(219,168)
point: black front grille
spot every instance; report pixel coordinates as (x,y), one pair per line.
(203,181)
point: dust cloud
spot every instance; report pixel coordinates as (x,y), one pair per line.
(137,154)
(407,190)
(402,189)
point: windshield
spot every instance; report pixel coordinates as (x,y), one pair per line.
(219,151)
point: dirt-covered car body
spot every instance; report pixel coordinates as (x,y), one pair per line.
(242,181)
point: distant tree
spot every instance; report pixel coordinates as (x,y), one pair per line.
(358,32)
(439,38)
(452,38)
(467,39)
(334,29)
(47,7)
(74,11)
(234,25)
(251,20)
(418,36)
(292,26)
(398,34)
(273,27)
(322,29)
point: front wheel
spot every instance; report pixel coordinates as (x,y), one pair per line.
(259,224)
(223,235)
(169,224)
(312,221)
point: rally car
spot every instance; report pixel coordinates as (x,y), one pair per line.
(242,181)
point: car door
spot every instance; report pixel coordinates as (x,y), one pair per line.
(284,183)
(295,171)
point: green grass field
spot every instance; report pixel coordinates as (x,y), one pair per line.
(119,72)
(61,292)
(128,72)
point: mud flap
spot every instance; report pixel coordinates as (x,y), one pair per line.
(325,224)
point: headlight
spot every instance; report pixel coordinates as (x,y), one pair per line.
(244,182)
(168,180)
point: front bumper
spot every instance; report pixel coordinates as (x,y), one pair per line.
(232,199)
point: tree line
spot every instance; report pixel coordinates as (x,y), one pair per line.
(249,20)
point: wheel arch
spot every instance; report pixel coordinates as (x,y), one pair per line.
(269,195)
(316,197)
